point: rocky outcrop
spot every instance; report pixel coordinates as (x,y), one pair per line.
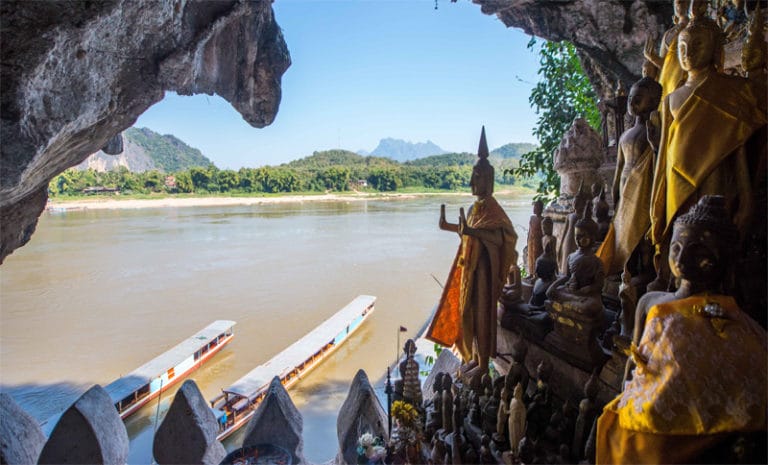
(608,34)
(21,439)
(188,431)
(90,431)
(76,74)
(278,422)
(360,413)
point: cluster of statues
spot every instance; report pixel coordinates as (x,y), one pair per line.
(690,178)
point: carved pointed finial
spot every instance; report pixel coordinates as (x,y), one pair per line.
(482,150)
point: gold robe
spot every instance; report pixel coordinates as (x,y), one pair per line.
(698,379)
(718,118)
(631,220)
(455,319)
(671,75)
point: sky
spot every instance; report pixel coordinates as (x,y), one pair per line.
(363,70)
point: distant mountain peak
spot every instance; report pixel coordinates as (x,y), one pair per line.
(400,150)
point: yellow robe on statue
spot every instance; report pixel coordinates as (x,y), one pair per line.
(454,320)
(671,75)
(631,220)
(718,117)
(698,379)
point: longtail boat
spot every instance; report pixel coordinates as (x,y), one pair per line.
(238,402)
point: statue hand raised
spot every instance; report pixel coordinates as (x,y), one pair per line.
(462,222)
(442,223)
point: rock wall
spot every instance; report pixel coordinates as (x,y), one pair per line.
(608,34)
(75,74)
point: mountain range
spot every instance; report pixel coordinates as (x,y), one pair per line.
(402,151)
(145,150)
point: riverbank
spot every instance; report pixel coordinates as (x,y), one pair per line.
(116,202)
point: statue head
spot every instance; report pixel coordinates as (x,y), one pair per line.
(585,230)
(437,383)
(644,97)
(650,70)
(702,242)
(700,45)
(481,181)
(538,207)
(546,226)
(681,10)
(698,9)
(409,348)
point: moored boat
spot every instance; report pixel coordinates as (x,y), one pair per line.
(238,402)
(130,392)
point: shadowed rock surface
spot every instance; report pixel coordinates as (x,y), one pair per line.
(360,413)
(90,431)
(608,34)
(446,363)
(188,431)
(75,74)
(21,439)
(278,422)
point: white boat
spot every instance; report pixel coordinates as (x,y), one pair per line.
(132,391)
(237,403)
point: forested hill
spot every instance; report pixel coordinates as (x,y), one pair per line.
(513,150)
(146,150)
(328,158)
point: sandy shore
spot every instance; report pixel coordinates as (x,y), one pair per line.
(177,202)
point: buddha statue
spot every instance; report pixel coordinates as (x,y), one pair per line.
(700,361)
(516,419)
(632,184)
(447,406)
(575,301)
(547,237)
(512,292)
(409,372)
(467,312)
(567,244)
(518,373)
(502,416)
(546,272)
(602,217)
(670,73)
(707,124)
(535,247)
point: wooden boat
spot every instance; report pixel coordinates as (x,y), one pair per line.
(237,403)
(131,392)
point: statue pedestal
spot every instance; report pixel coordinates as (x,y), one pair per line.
(575,335)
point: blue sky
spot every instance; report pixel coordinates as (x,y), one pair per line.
(368,69)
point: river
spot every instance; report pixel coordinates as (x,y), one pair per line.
(97,293)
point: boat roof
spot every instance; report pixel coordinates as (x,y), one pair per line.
(301,350)
(141,376)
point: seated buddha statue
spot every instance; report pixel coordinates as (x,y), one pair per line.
(699,384)
(575,302)
(546,272)
(512,292)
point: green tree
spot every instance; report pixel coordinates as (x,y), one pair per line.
(227,180)
(563,94)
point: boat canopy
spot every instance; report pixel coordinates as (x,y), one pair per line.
(133,381)
(301,350)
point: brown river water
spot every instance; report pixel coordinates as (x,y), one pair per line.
(97,293)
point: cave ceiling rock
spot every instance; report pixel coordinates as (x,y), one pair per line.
(75,74)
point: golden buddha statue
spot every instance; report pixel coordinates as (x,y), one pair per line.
(632,183)
(670,73)
(700,374)
(466,313)
(706,124)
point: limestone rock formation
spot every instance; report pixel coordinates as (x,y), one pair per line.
(21,439)
(188,431)
(76,74)
(90,431)
(608,34)
(278,422)
(360,413)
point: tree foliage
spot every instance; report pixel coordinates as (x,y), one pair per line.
(563,94)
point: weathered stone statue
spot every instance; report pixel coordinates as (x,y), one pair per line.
(518,373)
(688,358)
(535,247)
(516,419)
(502,416)
(409,372)
(670,72)
(546,272)
(632,184)
(602,217)
(539,409)
(588,411)
(491,411)
(712,116)
(512,292)
(435,411)
(447,403)
(466,314)
(568,244)
(547,238)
